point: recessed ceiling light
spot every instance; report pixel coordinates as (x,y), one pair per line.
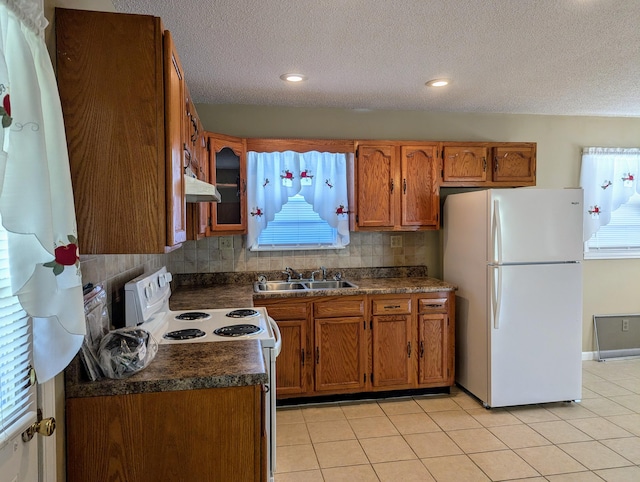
(293,77)
(438,83)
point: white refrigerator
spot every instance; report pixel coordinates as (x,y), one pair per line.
(516,257)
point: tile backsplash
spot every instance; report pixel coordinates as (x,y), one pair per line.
(366,250)
(229,254)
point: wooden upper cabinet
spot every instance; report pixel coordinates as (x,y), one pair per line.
(488,164)
(514,164)
(228,171)
(420,198)
(397,186)
(377,172)
(124,143)
(197,160)
(464,163)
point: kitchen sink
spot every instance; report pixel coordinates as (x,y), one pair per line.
(328,285)
(271,286)
(280,286)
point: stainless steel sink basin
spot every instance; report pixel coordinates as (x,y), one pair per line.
(280,286)
(271,286)
(327,285)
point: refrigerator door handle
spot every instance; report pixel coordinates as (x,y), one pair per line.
(497,233)
(496,295)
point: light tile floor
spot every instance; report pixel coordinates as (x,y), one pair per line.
(453,438)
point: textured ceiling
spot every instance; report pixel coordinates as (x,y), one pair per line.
(559,57)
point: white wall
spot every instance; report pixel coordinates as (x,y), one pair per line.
(610,286)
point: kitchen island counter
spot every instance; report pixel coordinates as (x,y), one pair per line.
(181,366)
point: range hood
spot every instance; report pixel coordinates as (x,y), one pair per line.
(197,191)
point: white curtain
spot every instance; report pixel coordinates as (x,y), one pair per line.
(320,177)
(609,177)
(36,199)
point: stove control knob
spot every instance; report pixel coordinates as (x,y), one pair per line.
(162,282)
(148,291)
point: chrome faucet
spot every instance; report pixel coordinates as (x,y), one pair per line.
(322,270)
(292,273)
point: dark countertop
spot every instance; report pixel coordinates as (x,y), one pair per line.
(240,295)
(179,367)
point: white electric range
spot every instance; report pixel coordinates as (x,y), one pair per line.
(147,306)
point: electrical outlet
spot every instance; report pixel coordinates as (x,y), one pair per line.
(396,241)
(625,325)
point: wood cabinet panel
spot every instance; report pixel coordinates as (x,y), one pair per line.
(461,163)
(339,307)
(377,182)
(125,154)
(393,349)
(514,164)
(488,164)
(228,171)
(420,199)
(167,436)
(389,306)
(340,354)
(291,376)
(433,342)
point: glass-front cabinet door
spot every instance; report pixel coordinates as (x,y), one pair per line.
(228,171)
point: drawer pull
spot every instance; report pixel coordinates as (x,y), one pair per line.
(391,307)
(435,305)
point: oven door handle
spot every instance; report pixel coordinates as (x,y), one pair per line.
(276,332)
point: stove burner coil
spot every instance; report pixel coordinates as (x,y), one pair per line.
(192,315)
(246,313)
(238,330)
(186,334)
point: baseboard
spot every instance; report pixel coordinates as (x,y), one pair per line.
(589,355)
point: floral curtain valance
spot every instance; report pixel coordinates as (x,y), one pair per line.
(36,199)
(320,177)
(609,177)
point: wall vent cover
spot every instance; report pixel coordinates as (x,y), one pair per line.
(617,336)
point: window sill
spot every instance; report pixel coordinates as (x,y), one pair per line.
(630,254)
(306,247)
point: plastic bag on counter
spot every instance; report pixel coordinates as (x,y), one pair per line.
(97,320)
(126,351)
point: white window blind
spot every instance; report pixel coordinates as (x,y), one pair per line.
(297,225)
(621,237)
(17,395)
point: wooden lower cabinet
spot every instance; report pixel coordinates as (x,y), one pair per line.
(352,344)
(294,364)
(210,434)
(340,355)
(393,342)
(436,338)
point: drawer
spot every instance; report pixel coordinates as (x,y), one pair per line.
(436,304)
(287,311)
(390,306)
(338,307)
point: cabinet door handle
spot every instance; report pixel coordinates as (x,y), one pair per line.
(244,186)
(302,356)
(421,349)
(391,185)
(317,355)
(484,164)
(404,186)
(495,164)
(409,349)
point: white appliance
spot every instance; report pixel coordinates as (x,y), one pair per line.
(147,306)
(515,255)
